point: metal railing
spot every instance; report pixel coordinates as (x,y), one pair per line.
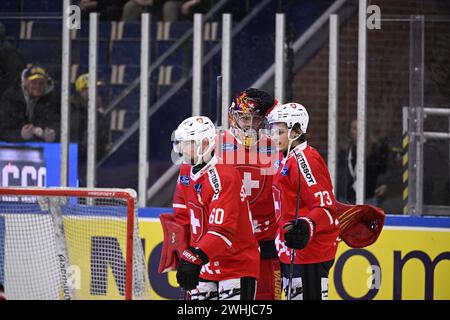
(415,185)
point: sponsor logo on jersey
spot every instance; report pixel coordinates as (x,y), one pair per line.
(189,257)
(276,165)
(185,180)
(284,171)
(215,182)
(198,187)
(305,169)
(229,147)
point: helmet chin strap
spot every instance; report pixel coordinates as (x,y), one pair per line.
(291,140)
(203,157)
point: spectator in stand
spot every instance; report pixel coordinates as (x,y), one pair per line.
(30,109)
(79,124)
(109,10)
(376,164)
(11,62)
(166,10)
(133,9)
(189,7)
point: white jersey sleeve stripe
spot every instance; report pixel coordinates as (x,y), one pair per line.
(179,206)
(227,241)
(329,215)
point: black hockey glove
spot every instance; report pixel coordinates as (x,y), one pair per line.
(298,236)
(188,270)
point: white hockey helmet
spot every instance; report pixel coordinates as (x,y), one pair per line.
(195,129)
(289,113)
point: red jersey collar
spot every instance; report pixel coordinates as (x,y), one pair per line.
(214,160)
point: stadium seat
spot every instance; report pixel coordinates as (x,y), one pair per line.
(104,30)
(178,28)
(130,103)
(131,72)
(42,6)
(12,28)
(9,6)
(125,52)
(132,31)
(174,59)
(41,51)
(80,51)
(41,29)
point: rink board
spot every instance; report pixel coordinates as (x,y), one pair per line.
(409,261)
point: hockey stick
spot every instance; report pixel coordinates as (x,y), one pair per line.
(297,206)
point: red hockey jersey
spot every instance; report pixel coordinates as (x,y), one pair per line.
(317,202)
(256,167)
(213,204)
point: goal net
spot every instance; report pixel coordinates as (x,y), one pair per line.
(71,243)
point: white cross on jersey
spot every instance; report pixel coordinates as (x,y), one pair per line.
(249,184)
(195,223)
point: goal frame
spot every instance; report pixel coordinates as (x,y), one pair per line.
(129,195)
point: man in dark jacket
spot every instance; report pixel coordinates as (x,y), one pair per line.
(29,110)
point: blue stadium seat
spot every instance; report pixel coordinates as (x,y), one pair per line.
(162,90)
(116,134)
(130,118)
(177,73)
(125,52)
(9,6)
(42,6)
(132,31)
(41,51)
(176,58)
(130,103)
(104,30)
(80,52)
(178,28)
(49,51)
(46,29)
(131,72)
(12,28)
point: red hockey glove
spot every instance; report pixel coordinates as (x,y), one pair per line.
(297,236)
(188,270)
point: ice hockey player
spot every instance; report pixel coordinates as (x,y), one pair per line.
(302,186)
(246,146)
(222,259)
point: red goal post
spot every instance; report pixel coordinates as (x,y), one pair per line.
(79,234)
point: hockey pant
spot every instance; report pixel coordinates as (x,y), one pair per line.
(269,281)
(309,281)
(232,289)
